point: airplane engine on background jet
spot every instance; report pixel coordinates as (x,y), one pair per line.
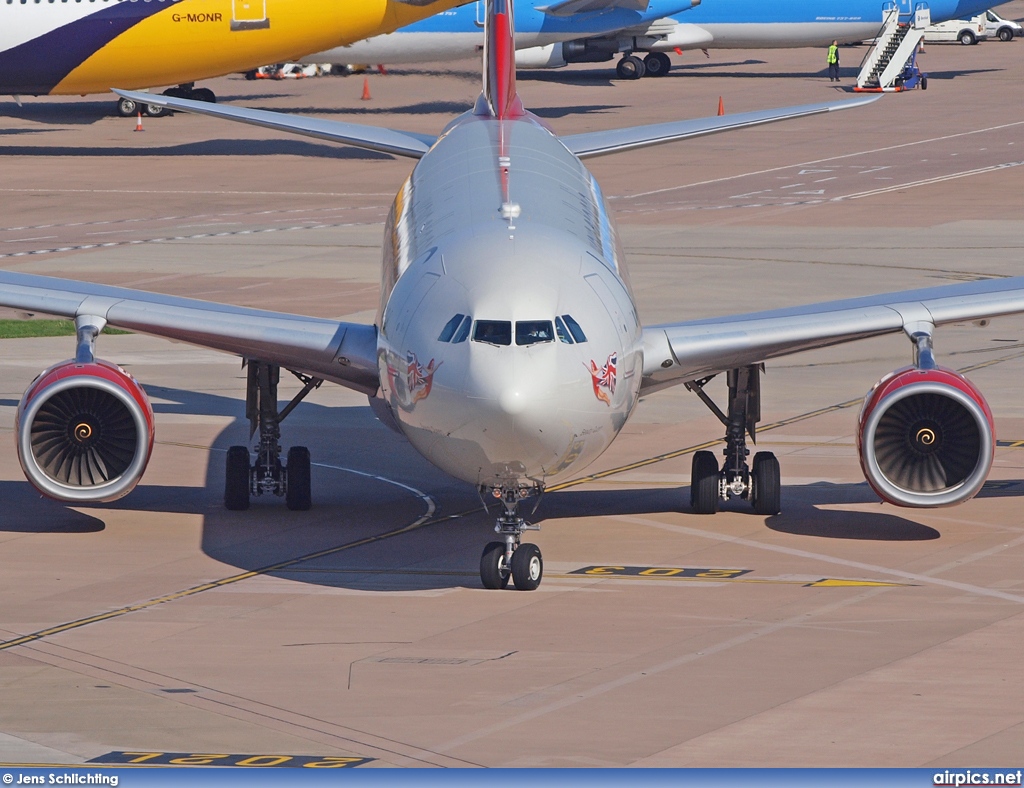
(926,438)
(589,50)
(84,432)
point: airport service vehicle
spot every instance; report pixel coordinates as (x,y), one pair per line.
(966,31)
(507,348)
(551,34)
(1003,29)
(70,48)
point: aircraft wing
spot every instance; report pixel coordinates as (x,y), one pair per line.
(601,143)
(680,352)
(344,353)
(399,143)
(570,7)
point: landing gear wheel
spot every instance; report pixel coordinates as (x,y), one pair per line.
(126,107)
(527,567)
(630,67)
(203,94)
(967,38)
(704,483)
(298,489)
(155,110)
(767,484)
(657,64)
(924,82)
(494,573)
(1005,34)
(236,479)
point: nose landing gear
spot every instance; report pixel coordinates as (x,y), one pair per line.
(511,558)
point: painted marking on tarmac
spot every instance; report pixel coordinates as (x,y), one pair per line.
(820,161)
(719,576)
(121,758)
(927,181)
(421,521)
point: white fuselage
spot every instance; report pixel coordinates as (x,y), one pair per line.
(501,411)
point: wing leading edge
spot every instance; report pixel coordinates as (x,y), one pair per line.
(345,353)
(375,138)
(679,352)
(602,143)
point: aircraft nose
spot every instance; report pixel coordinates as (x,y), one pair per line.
(513,400)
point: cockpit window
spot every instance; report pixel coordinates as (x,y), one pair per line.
(574,328)
(562,331)
(463,333)
(493,332)
(530,332)
(449,329)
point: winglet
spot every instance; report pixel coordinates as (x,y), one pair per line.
(500,98)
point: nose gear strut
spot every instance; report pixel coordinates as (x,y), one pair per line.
(268,475)
(758,482)
(511,558)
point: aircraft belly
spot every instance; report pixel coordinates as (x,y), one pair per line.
(404,47)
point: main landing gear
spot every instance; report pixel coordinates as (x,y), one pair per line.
(126,108)
(510,559)
(268,475)
(759,482)
(654,64)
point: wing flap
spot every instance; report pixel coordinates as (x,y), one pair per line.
(382,140)
(703,347)
(344,353)
(602,143)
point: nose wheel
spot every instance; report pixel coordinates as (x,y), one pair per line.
(511,558)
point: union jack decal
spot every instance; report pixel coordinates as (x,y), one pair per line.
(418,378)
(604,378)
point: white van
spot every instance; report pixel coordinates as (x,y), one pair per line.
(966,31)
(1003,29)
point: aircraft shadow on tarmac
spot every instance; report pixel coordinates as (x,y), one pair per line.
(351,451)
(206,148)
(80,113)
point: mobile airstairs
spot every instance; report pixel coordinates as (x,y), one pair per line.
(891,64)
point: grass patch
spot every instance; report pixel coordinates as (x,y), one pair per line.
(24,329)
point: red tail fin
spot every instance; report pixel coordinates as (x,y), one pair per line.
(500,61)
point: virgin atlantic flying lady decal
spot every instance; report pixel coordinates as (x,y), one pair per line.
(604,379)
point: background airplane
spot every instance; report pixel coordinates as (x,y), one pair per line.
(68,48)
(507,348)
(554,34)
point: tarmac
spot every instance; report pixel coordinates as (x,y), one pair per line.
(843,632)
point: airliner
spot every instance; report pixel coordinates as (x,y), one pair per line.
(552,34)
(507,347)
(69,47)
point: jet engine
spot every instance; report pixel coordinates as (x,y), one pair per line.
(925,437)
(84,432)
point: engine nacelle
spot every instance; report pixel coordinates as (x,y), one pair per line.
(926,438)
(84,432)
(549,56)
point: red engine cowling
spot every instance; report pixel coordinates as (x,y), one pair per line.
(84,432)
(926,438)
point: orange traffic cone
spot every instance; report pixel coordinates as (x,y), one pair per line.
(138,123)
(366,89)
(721,106)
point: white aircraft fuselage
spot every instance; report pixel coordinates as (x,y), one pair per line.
(500,224)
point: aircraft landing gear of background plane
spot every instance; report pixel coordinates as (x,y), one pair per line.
(126,108)
(657,64)
(654,64)
(511,558)
(759,483)
(267,475)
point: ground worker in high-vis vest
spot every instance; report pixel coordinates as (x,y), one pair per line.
(833,62)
